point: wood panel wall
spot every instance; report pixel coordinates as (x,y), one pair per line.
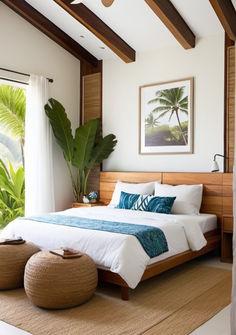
(91,108)
(92,96)
(230,109)
(217,187)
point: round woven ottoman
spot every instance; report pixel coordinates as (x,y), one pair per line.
(56,283)
(13,259)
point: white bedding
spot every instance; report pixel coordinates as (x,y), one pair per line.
(122,254)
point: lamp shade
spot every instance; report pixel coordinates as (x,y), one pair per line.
(215,166)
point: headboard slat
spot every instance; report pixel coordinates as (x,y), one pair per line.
(217,187)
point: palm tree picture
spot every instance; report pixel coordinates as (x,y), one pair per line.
(171,101)
(166,117)
(151,122)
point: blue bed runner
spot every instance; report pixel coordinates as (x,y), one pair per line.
(152,239)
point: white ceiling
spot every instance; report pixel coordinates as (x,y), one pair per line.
(134,22)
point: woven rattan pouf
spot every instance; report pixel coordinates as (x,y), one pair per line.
(13,259)
(56,283)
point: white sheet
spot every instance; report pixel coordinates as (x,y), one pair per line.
(122,254)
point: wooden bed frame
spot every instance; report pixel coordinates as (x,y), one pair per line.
(217,199)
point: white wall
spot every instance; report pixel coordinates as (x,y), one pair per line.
(25,49)
(121,104)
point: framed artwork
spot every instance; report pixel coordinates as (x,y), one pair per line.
(166,117)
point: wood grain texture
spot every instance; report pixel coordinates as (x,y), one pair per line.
(94,179)
(226,13)
(217,187)
(227,238)
(230,108)
(228,179)
(91,108)
(176,178)
(92,96)
(43,24)
(227,194)
(228,224)
(130,177)
(94,24)
(171,18)
(83,205)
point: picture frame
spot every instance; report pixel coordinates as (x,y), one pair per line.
(166,117)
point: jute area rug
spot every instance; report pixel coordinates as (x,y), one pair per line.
(174,303)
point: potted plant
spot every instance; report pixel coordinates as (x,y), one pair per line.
(83,150)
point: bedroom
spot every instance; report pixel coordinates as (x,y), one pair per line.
(121,84)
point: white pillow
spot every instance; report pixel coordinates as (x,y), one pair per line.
(140,188)
(188,197)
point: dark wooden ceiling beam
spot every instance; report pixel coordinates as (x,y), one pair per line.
(226,13)
(94,24)
(40,22)
(171,18)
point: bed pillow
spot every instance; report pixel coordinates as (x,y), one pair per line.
(154,204)
(188,197)
(140,188)
(127,200)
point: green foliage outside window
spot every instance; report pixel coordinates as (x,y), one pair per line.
(12,137)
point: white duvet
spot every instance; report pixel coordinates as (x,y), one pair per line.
(122,254)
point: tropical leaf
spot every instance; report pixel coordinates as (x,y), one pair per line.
(184,101)
(85,150)
(83,144)
(19,182)
(157,100)
(150,121)
(171,114)
(12,110)
(61,127)
(102,150)
(7,186)
(12,172)
(3,170)
(12,194)
(164,113)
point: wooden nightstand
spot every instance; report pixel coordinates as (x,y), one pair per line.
(82,205)
(226,239)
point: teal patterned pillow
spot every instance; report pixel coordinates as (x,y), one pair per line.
(127,200)
(154,204)
(142,203)
(161,204)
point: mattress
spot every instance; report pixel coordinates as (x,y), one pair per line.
(207,222)
(122,254)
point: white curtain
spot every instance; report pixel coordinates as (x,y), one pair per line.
(233,308)
(39,186)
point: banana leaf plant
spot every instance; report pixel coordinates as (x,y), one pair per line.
(12,193)
(84,150)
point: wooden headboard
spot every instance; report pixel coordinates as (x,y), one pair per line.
(217,187)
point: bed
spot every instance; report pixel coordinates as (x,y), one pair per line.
(114,253)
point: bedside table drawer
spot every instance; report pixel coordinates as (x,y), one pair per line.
(228,224)
(83,205)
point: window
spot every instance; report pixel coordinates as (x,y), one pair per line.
(12,131)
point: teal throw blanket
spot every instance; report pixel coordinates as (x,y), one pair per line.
(152,239)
